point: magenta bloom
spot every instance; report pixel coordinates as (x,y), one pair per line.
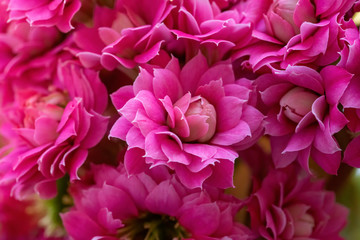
(50,130)
(46,13)
(201,24)
(189,119)
(134,37)
(293,32)
(125,35)
(149,204)
(288,207)
(303,114)
(350,100)
(136,33)
(29,56)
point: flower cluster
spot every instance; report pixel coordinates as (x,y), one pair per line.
(168,119)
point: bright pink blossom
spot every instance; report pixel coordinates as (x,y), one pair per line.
(286,206)
(303,114)
(190,119)
(50,140)
(120,37)
(293,32)
(201,24)
(45,13)
(51,129)
(350,100)
(118,206)
(29,56)
(129,36)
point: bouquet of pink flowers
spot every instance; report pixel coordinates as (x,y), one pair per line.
(178,119)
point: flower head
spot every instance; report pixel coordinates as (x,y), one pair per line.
(45,13)
(151,205)
(51,129)
(294,32)
(190,119)
(303,115)
(288,207)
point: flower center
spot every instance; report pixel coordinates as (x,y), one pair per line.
(51,105)
(194,119)
(303,222)
(297,102)
(149,226)
(280,19)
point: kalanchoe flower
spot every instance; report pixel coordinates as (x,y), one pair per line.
(29,57)
(201,24)
(350,100)
(286,206)
(51,129)
(190,119)
(130,35)
(152,205)
(45,13)
(303,114)
(49,140)
(126,40)
(293,32)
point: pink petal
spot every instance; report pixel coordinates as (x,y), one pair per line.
(192,72)
(165,83)
(301,140)
(352,153)
(329,162)
(194,219)
(336,81)
(164,199)
(120,128)
(134,161)
(80,226)
(233,135)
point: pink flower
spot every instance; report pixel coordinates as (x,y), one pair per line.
(288,207)
(51,141)
(149,204)
(350,99)
(130,37)
(29,57)
(133,35)
(51,129)
(190,119)
(125,35)
(303,115)
(201,24)
(293,32)
(45,13)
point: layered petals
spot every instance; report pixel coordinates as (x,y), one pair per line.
(288,207)
(45,13)
(113,208)
(303,112)
(193,127)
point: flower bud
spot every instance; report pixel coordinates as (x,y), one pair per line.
(297,102)
(200,119)
(281,19)
(303,223)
